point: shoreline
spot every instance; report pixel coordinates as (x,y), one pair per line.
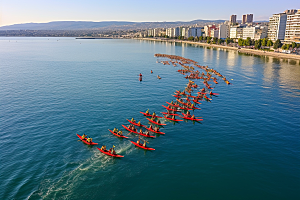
(247,51)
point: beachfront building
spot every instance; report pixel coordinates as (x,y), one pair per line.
(277,25)
(223,31)
(236,32)
(255,32)
(209,30)
(292,31)
(232,19)
(150,32)
(173,32)
(195,32)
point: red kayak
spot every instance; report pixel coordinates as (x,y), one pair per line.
(165,113)
(175,110)
(136,124)
(148,115)
(121,136)
(174,105)
(129,129)
(141,146)
(158,132)
(156,122)
(109,154)
(84,140)
(175,120)
(189,118)
(177,96)
(142,134)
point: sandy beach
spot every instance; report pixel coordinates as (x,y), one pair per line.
(247,51)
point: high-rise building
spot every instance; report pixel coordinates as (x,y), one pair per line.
(277,25)
(244,19)
(233,19)
(248,18)
(292,31)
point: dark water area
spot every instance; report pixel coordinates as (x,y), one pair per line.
(247,147)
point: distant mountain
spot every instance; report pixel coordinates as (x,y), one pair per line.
(105,25)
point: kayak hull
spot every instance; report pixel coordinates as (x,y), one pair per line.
(121,136)
(141,146)
(148,115)
(154,122)
(109,154)
(136,124)
(158,132)
(88,143)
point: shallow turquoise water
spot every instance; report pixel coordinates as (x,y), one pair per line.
(247,147)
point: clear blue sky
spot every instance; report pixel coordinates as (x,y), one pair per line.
(25,11)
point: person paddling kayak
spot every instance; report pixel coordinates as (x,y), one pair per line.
(147,112)
(103,148)
(89,140)
(115,130)
(132,120)
(83,136)
(139,140)
(120,133)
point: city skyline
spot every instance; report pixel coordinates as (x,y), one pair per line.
(18,11)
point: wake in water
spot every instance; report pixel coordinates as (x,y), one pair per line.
(71,180)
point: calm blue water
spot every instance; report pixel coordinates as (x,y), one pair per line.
(247,147)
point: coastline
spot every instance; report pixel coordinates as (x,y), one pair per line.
(247,51)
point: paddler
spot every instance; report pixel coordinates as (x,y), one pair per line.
(115,130)
(139,123)
(120,133)
(141,131)
(103,148)
(139,140)
(193,117)
(147,133)
(147,112)
(83,136)
(156,129)
(173,117)
(144,145)
(150,127)
(141,75)
(153,114)
(89,140)
(151,71)
(113,150)
(132,120)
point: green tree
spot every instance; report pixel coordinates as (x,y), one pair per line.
(191,38)
(257,44)
(294,44)
(269,43)
(227,40)
(201,38)
(241,42)
(220,41)
(166,36)
(277,44)
(215,40)
(298,45)
(196,38)
(208,39)
(205,38)
(283,47)
(248,41)
(264,42)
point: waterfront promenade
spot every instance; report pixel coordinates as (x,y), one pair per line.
(242,50)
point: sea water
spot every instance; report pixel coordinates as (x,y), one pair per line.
(247,146)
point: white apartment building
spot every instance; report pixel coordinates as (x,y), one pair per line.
(223,31)
(173,32)
(236,32)
(150,32)
(277,25)
(255,32)
(292,31)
